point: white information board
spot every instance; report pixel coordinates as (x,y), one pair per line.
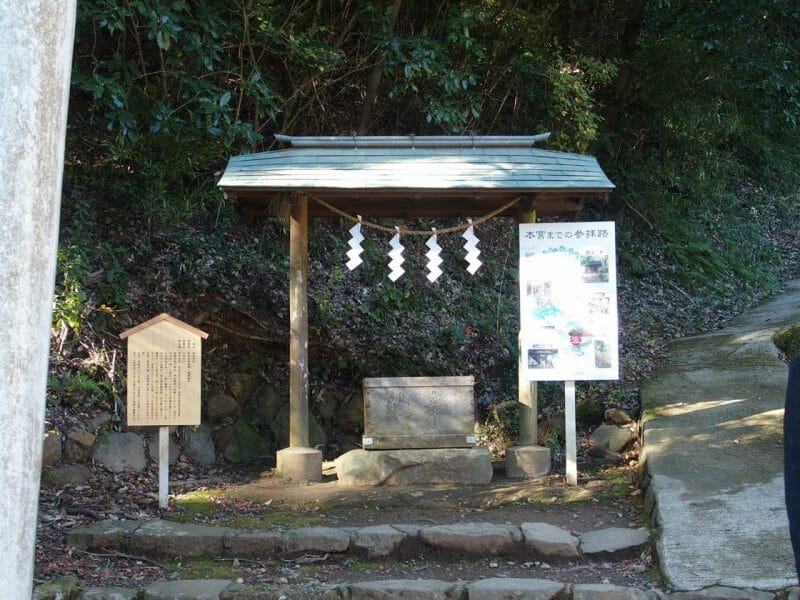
(568,301)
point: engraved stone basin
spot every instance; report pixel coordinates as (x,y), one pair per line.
(418,412)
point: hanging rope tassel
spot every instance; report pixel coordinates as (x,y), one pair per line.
(354,254)
(396,254)
(434,258)
(472,249)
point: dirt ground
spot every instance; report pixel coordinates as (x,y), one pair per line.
(255,500)
(600,500)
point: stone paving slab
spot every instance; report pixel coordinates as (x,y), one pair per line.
(498,588)
(548,540)
(167,538)
(502,588)
(407,589)
(253,544)
(276,591)
(316,539)
(613,541)
(712,449)
(192,589)
(378,540)
(472,538)
(607,591)
(109,534)
(109,593)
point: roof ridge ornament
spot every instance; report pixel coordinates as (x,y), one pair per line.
(356,141)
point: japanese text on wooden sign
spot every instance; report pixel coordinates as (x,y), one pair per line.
(568,301)
(163,376)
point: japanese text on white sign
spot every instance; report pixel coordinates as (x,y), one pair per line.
(568,301)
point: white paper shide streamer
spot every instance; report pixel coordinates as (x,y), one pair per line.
(434,253)
(354,254)
(472,250)
(396,254)
(434,258)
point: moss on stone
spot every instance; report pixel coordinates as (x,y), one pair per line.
(247,445)
(788,340)
(198,502)
(205,567)
(65,588)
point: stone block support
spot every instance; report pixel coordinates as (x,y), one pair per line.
(524,462)
(300,464)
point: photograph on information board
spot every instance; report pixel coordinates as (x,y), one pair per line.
(568,301)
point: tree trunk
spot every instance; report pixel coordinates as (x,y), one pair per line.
(374,78)
(628,47)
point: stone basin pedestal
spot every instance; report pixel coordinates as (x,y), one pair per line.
(467,466)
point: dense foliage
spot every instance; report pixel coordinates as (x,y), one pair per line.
(693,108)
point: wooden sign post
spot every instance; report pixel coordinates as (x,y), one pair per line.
(163,382)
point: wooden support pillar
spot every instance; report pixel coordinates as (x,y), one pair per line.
(527,459)
(527,390)
(527,396)
(298,323)
(298,462)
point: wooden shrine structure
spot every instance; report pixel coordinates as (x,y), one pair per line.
(398,176)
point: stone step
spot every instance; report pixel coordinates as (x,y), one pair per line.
(406,589)
(530,540)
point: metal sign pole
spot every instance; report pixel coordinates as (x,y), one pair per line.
(163,467)
(570,434)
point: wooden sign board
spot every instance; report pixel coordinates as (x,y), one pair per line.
(164,372)
(418,412)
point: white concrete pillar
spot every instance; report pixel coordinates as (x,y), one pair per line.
(35,61)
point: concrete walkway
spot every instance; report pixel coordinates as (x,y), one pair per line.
(713,451)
